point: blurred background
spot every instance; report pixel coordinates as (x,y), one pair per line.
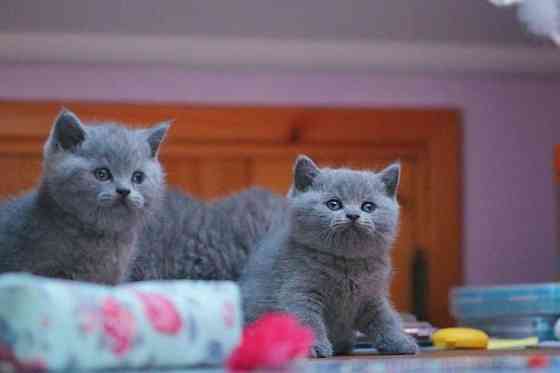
(457,89)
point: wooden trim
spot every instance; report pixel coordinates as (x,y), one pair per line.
(557,162)
(266,53)
(446,213)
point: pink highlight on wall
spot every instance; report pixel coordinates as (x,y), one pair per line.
(510,127)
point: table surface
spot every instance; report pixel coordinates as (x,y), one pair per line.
(520,360)
(427,361)
(434,354)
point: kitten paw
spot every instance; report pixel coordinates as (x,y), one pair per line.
(397,344)
(320,350)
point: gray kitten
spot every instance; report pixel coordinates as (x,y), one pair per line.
(329,263)
(192,239)
(82,221)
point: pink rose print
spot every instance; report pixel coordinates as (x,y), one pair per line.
(89,322)
(161,312)
(118,326)
(228,312)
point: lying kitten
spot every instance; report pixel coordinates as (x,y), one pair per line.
(191,239)
(82,220)
(329,263)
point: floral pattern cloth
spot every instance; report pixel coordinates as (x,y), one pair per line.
(50,324)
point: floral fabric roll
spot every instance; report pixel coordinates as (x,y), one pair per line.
(60,324)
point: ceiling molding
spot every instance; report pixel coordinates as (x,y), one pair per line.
(261,53)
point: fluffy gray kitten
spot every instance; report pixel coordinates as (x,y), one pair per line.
(197,240)
(82,221)
(329,263)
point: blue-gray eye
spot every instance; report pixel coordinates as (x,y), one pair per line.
(138,177)
(368,206)
(102,174)
(334,204)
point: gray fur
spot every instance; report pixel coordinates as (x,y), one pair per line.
(73,225)
(332,273)
(192,239)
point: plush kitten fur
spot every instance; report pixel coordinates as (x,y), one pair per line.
(331,266)
(191,239)
(82,223)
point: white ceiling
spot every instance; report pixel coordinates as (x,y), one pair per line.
(445,21)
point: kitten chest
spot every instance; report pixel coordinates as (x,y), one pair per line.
(348,289)
(352,284)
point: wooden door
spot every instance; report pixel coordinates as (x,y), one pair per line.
(214,151)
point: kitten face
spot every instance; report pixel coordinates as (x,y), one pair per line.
(106,176)
(345,212)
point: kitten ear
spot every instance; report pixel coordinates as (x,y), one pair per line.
(390,177)
(156,135)
(305,171)
(67,131)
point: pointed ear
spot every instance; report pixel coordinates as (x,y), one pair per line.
(67,131)
(305,171)
(390,176)
(156,135)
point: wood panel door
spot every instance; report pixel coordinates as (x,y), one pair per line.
(214,151)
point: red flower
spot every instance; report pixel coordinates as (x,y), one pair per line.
(161,312)
(270,342)
(118,325)
(539,361)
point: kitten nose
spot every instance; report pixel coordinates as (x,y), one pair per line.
(352,217)
(123,192)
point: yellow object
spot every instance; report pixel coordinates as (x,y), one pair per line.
(506,344)
(451,338)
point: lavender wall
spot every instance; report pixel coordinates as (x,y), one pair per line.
(509,132)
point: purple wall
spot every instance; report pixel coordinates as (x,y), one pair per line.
(509,132)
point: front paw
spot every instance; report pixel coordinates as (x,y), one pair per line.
(397,344)
(319,350)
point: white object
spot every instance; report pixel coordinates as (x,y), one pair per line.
(557,329)
(541,17)
(74,326)
(505,2)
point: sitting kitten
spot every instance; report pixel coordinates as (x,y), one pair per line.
(82,220)
(329,263)
(192,239)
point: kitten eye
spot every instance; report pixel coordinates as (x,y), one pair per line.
(368,206)
(102,174)
(138,177)
(334,204)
